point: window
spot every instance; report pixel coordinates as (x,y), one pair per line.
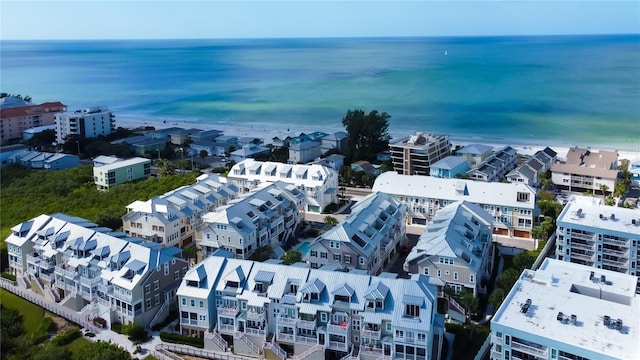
(323,255)
(439,273)
(176,275)
(156,285)
(412,310)
(336,257)
(421,337)
(388,326)
(313,253)
(147,288)
(507,340)
(472,278)
(426,271)
(399,333)
(361,260)
(446,260)
(455,275)
(157,299)
(184,301)
(201,304)
(147,304)
(554,354)
(193,303)
(166,269)
(323,317)
(347,259)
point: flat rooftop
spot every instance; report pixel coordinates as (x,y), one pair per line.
(587,211)
(565,287)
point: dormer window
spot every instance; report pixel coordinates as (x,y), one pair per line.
(412,310)
(412,305)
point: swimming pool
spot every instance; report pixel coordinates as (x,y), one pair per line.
(304,248)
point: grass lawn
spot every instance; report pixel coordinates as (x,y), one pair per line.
(78,345)
(33,314)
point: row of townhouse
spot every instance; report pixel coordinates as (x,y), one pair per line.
(93,271)
(306,312)
(528,172)
(170,219)
(455,248)
(368,239)
(495,167)
(317,182)
(512,205)
(568,311)
(268,216)
(603,237)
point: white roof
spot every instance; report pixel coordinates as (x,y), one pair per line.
(123,163)
(586,211)
(478,192)
(565,287)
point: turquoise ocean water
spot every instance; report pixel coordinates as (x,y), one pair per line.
(579,90)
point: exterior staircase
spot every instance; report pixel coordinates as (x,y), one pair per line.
(273,351)
(244,346)
(213,340)
(159,313)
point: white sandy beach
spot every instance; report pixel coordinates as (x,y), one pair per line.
(267,132)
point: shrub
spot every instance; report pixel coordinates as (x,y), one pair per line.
(8,275)
(182,339)
(67,337)
(454,328)
(42,333)
(117,327)
(135,332)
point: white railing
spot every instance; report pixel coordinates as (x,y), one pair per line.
(193,351)
(217,340)
(371,334)
(337,345)
(45,276)
(338,328)
(370,350)
(281,354)
(228,311)
(255,332)
(285,337)
(306,324)
(227,328)
(255,316)
(286,321)
(156,317)
(529,349)
(89,281)
(308,352)
(240,336)
(307,339)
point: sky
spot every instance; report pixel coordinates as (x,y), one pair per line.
(146,19)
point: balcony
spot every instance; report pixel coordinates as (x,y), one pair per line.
(33,259)
(580,256)
(284,320)
(586,237)
(228,311)
(255,332)
(285,337)
(307,340)
(618,253)
(306,324)
(577,245)
(340,329)
(45,276)
(90,282)
(529,349)
(371,334)
(337,345)
(227,329)
(617,263)
(105,289)
(495,355)
(496,340)
(622,243)
(123,297)
(255,316)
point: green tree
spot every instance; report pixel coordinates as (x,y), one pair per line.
(263,253)
(508,278)
(291,257)
(11,324)
(496,298)
(165,168)
(604,189)
(524,260)
(367,134)
(330,221)
(102,351)
(469,302)
(190,252)
(544,229)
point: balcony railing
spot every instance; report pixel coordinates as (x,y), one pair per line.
(45,276)
(338,328)
(105,289)
(305,324)
(620,262)
(285,337)
(582,256)
(308,340)
(31,259)
(496,340)
(618,253)
(228,329)
(623,243)
(370,350)
(90,281)
(282,320)
(576,245)
(255,316)
(371,334)
(337,345)
(586,237)
(121,296)
(228,311)
(255,332)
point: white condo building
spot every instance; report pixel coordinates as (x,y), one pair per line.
(454,249)
(565,311)
(317,182)
(309,313)
(512,205)
(89,123)
(603,237)
(268,216)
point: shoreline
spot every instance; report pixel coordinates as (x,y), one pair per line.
(266,132)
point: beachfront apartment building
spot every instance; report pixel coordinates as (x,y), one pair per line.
(495,167)
(14,120)
(414,154)
(455,248)
(449,167)
(512,205)
(93,271)
(586,170)
(475,154)
(309,313)
(368,239)
(120,171)
(248,151)
(268,216)
(599,236)
(568,311)
(89,123)
(317,182)
(170,219)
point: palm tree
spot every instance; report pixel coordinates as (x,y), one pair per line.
(604,188)
(165,168)
(330,221)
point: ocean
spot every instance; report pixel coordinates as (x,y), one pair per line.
(553,90)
